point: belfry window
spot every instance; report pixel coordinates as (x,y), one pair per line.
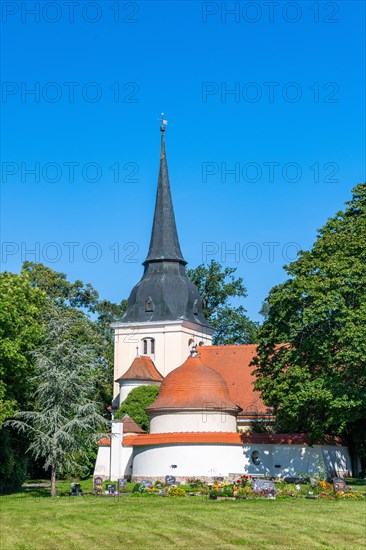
(148,346)
(149,305)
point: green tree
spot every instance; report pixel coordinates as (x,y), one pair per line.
(83,297)
(20,332)
(135,404)
(58,289)
(21,306)
(217,285)
(65,420)
(316,381)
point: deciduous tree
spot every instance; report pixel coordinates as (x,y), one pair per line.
(316,382)
(217,286)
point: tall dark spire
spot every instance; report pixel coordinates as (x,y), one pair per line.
(164,243)
(165,293)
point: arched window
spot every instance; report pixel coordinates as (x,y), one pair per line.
(148,346)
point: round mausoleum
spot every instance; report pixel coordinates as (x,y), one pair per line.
(192,428)
(193,398)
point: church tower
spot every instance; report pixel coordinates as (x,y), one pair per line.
(164,317)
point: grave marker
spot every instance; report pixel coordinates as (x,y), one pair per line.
(170,480)
(111,488)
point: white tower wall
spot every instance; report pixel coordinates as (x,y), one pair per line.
(173,341)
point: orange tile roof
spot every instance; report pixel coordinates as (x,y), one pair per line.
(130,426)
(193,385)
(233,363)
(104,441)
(224,438)
(142,368)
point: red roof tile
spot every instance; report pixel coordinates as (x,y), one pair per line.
(130,426)
(142,368)
(193,385)
(104,441)
(225,438)
(233,363)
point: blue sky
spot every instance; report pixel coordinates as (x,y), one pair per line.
(265,137)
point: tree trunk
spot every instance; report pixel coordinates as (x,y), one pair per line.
(53,481)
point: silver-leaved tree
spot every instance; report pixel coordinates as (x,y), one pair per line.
(65,420)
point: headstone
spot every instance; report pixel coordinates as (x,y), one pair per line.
(339,484)
(75,490)
(146,482)
(111,488)
(170,480)
(98,484)
(263,486)
(122,484)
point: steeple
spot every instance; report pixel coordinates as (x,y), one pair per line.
(165,293)
(164,243)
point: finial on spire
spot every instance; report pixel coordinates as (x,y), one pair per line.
(164,122)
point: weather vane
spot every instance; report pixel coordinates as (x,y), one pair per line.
(164,122)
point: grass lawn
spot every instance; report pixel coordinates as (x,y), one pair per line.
(29,522)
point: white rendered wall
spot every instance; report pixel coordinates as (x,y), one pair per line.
(199,421)
(223,460)
(171,344)
(296,459)
(121,457)
(116,450)
(102,464)
(190,460)
(126,386)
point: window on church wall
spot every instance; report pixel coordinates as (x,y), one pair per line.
(148,346)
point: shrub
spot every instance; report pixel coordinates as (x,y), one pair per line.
(176,492)
(194,482)
(245,492)
(139,488)
(228,492)
(135,404)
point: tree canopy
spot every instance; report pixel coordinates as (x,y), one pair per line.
(217,286)
(65,419)
(316,382)
(20,332)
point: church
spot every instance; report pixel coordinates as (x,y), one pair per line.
(200,423)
